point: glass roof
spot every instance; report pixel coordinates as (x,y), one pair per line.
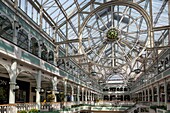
(113,35)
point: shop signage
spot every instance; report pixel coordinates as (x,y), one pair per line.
(3,82)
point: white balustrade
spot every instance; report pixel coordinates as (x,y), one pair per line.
(8,108)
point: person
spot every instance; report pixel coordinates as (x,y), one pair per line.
(44,103)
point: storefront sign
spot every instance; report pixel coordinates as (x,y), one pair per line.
(3,82)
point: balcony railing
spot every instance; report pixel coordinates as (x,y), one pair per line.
(14,108)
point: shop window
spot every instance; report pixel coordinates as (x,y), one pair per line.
(22,40)
(44,52)
(121,89)
(168,92)
(4,90)
(125,89)
(6,30)
(51,57)
(34,46)
(22,95)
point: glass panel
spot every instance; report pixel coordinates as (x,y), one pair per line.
(22,40)
(6,30)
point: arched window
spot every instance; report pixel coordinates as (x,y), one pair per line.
(44,52)
(34,46)
(51,57)
(23,41)
(6,30)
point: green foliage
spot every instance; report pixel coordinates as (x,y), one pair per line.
(22,111)
(62,96)
(2,93)
(33,111)
(159,107)
(51,97)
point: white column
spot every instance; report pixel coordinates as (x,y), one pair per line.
(65,91)
(72,94)
(82,95)
(38,80)
(152,93)
(13,75)
(169,19)
(138,96)
(158,96)
(165,91)
(142,95)
(91,96)
(54,83)
(145,94)
(12,93)
(148,96)
(78,94)
(16,26)
(86,96)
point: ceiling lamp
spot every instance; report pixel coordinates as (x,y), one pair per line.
(137,71)
(93,73)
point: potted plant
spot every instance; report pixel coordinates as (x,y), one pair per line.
(51,97)
(33,111)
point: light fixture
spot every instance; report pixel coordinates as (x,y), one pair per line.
(41,90)
(16,88)
(48,91)
(41,42)
(93,73)
(17,25)
(57,92)
(137,71)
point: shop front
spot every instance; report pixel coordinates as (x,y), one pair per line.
(21,95)
(4,90)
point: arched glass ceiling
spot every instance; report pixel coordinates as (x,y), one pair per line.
(67,19)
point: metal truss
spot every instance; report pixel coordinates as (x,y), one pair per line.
(83,25)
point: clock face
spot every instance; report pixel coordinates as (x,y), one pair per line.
(112,34)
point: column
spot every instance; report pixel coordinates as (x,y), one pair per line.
(72,95)
(54,83)
(82,95)
(91,96)
(158,96)
(165,91)
(148,96)
(169,20)
(152,93)
(85,96)
(88,95)
(13,75)
(16,27)
(78,95)
(65,91)
(142,95)
(12,93)
(38,80)
(145,94)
